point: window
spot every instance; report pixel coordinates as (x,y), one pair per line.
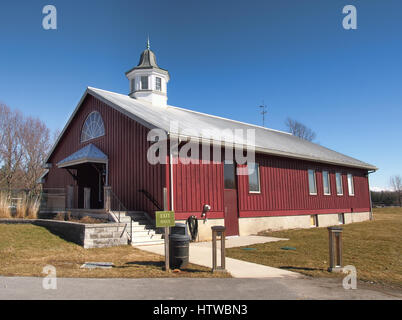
(351,187)
(341,218)
(311,182)
(314,220)
(326,183)
(132,85)
(229,176)
(158,85)
(253,177)
(93,127)
(339,187)
(144,83)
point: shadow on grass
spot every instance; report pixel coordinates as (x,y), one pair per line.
(145,263)
(157,264)
(301,268)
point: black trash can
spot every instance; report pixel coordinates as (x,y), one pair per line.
(179,243)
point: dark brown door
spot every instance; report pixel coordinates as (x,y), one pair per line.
(230,200)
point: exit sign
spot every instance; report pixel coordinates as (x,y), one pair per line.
(165,219)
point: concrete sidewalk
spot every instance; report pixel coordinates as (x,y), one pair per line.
(201,254)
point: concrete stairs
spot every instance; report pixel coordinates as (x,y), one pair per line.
(143,229)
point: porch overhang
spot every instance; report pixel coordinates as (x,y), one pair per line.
(88,154)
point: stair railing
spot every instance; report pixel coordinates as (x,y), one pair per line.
(111,202)
(151,198)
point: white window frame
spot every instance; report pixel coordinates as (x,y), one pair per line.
(160,83)
(315,182)
(102,123)
(132,85)
(142,88)
(336,183)
(259,178)
(352,183)
(329,183)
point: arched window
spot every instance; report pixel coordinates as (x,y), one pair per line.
(93,127)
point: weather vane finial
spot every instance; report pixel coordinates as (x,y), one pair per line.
(148,45)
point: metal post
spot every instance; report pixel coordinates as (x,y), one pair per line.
(218,230)
(165,207)
(335,249)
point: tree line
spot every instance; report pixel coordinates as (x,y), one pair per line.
(389,198)
(24,144)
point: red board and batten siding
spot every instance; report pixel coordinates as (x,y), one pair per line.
(125,144)
(284,182)
(284,189)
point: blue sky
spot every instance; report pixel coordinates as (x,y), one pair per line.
(224,58)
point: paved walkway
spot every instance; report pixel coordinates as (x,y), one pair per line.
(12,288)
(201,254)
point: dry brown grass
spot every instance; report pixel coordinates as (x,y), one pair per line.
(373,247)
(33,208)
(26,207)
(4,206)
(66,216)
(21,207)
(26,249)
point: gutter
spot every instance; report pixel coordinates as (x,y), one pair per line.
(171,174)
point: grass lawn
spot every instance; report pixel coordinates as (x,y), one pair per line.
(373,247)
(26,249)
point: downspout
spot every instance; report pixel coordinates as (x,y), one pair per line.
(171,175)
(371,204)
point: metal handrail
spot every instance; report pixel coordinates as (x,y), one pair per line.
(121,206)
(151,198)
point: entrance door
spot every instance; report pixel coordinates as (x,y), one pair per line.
(90,178)
(230,200)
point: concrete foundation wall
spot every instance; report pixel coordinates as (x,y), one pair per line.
(249,226)
(204,228)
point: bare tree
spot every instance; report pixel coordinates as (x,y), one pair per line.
(10,145)
(299,130)
(35,144)
(24,144)
(396,184)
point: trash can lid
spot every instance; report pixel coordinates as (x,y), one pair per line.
(180,237)
(179,228)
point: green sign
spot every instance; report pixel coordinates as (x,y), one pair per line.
(164,219)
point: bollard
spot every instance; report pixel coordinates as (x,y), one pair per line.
(218,231)
(335,249)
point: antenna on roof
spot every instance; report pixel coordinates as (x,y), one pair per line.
(148,45)
(263,108)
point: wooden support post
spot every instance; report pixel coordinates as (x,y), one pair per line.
(107,198)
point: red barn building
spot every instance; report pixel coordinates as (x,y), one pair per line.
(292,183)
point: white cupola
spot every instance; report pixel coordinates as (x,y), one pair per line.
(148,81)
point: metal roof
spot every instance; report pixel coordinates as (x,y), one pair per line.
(89,153)
(147,61)
(188,122)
